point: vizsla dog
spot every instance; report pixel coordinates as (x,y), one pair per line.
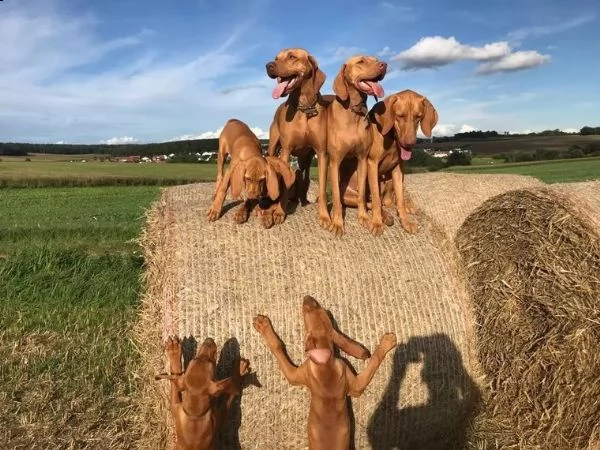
(197,417)
(349,133)
(329,379)
(395,121)
(299,126)
(248,169)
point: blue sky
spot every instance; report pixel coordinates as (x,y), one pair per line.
(80,71)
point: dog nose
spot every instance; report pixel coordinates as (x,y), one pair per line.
(270,66)
(383,66)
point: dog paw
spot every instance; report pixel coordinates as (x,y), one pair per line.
(376,227)
(212,214)
(278,216)
(241,216)
(388,342)
(364,220)
(266,219)
(324,221)
(244,367)
(410,207)
(409,225)
(262,324)
(337,228)
(173,348)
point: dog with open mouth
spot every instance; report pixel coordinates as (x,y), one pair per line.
(329,378)
(349,134)
(394,123)
(299,126)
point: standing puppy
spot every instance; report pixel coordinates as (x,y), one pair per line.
(193,393)
(328,378)
(349,134)
(248,172)
(299,126)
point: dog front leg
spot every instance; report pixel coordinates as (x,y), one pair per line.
(357,384)
(215,210)
(293,374)
(409,225)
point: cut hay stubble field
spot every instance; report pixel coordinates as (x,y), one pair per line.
(70,271)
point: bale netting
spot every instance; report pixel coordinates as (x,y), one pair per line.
(532,258)
(211,279)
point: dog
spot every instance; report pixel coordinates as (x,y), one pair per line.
(299,126)
(349,134)
(197,417)
(329,378)
(394,123)
(248,170)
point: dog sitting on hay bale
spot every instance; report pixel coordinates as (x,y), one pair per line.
(533,263)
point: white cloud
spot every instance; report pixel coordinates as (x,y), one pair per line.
(570,130)
(65,81)
(401,13)
(385,51)
(120,140)
(436,51)
(259,132)
(543,30)
(521,60)
(449,130)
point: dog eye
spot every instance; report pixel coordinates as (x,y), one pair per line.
(292,57)
(361,61)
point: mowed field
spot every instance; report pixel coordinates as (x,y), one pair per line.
(509,144)
(70,270)
(59,173)
(557,171)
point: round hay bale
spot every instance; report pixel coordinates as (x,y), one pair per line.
(220,275)
(532,258)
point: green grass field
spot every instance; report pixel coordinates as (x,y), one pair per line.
(62,173)
(70,271)
(558,171)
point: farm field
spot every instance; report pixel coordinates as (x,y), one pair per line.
(558,171)
(43,174)
(70,271)
(509,144)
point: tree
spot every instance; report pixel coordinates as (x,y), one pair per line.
(456,158)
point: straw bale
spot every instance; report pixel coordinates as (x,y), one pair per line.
(424,393)
(532,257)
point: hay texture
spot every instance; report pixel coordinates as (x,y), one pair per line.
(532,258)
(211,279)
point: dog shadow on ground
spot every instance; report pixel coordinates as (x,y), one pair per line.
(229,352)
(453,399)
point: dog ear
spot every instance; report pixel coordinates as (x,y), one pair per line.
(384,114)
(236,179)
(430,117)
(283,169)
(318,76)
(272,182)
(340,87)
(349,346)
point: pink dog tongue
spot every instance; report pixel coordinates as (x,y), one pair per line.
(278,90)
(319,355)
(377,88)
(405,154)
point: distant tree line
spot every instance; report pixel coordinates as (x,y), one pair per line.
(163,148)
(212,145)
